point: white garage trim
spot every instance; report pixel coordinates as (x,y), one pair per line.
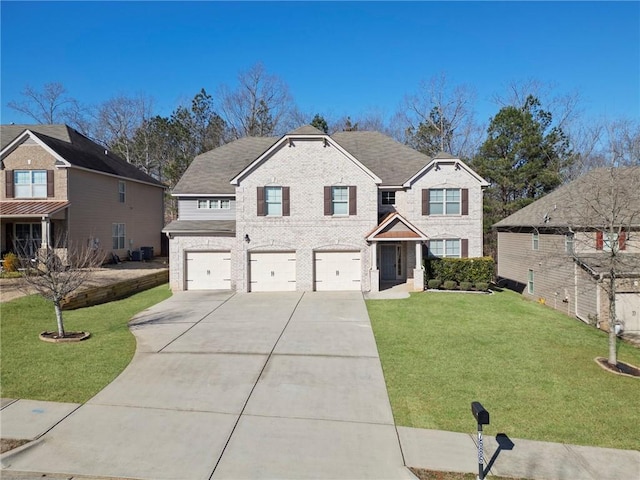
(338,271)
(207,270)
(272,271)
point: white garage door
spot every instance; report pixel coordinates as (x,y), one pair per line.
(272,271)
(628,309)
(338,271)
(208,270)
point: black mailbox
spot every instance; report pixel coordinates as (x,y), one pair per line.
(481,415)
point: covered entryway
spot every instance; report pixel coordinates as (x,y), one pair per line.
(628,310)
(272,271)
(208,270)
(338,271)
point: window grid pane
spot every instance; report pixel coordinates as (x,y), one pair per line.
(452,248)
(273,201)
(436,248)
(340,200)
(30,183)
(388,198)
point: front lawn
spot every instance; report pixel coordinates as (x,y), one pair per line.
(72,372)
(530,366)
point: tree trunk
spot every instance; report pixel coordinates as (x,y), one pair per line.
(613,360)
(61,333)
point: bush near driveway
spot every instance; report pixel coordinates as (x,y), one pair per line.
(72,372)
(532,367)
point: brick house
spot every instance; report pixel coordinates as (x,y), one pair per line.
(60,186)
(309,211)
(557,250)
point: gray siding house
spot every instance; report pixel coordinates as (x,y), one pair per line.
(557,250)
(309,211)
(58,185)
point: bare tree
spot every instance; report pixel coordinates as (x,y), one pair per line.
(118,119)
(440,117)
(50,105)
(564,107)
(54,273)
(604,219)
(259,106)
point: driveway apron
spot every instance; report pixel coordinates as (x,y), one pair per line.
(230,386)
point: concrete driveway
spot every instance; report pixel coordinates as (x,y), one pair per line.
(231,386)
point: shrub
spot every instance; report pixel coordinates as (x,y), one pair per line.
(461,269)
(10,262)
(434,283)
(450,284)
(482,286)
(466,286)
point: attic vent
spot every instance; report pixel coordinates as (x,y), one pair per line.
(106,152)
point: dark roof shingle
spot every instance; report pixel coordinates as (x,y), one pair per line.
(78,150)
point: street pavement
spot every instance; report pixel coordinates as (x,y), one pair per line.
(277,385)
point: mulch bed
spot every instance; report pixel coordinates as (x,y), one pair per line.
(621,368)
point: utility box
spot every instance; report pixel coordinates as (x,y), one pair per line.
(136,256)
(146,253)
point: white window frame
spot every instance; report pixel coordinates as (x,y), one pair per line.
(30,189)
(610,241)
(535,241)
(454,243)
(445,203)
(273,206)
(530,281)
(122,191)
(215,204)
(569,243)
(118,236)
(342,202)
(388,197)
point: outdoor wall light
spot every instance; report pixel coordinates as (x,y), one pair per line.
(246,238)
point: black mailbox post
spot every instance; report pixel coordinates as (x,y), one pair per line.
(482,418)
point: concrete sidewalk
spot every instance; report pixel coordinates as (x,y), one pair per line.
(429,449)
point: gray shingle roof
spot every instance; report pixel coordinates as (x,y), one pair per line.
(212,171)
(212,227)
(78,150)
(306,130)
(392,161)
(569,205)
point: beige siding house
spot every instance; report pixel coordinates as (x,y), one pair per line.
(309,211)
(560,250)
(59,186)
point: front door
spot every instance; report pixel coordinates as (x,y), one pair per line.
(391,262)
(28,238)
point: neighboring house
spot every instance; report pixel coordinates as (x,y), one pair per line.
(557,250)
(58,186)
(309,211)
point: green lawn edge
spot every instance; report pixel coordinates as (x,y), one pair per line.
(531,366)
(67,372)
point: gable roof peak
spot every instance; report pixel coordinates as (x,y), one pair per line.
(441,155)
(306,130)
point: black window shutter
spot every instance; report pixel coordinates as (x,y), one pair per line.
(465,201)
(286,211)
(9,183)
(353,200)
(50,187)
(464,247)
(261,211)
(425,201)
(327,201)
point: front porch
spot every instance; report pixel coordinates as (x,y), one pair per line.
(28,226)
(396,255)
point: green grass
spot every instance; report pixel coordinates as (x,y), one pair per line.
(530,366)
(67,372)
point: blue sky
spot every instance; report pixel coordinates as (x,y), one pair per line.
(337,58)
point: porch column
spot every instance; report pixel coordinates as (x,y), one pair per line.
(374,272)
(418,271)
(45,232)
